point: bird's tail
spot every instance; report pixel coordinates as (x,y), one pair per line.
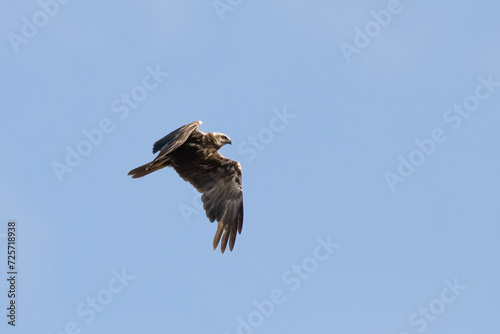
(153,166)
(145,169)
(141,171)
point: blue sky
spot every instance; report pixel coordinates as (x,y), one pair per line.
(371,176)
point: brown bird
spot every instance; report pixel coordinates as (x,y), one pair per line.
(194,156)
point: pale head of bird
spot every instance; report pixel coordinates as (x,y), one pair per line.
(221,139)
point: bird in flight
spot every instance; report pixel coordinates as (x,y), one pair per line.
(194,156)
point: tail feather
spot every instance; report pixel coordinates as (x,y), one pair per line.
(153,166)
(143,170)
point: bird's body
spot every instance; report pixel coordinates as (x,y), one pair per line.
(194,156)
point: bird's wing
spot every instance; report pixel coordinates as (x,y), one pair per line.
(219,179)
(175,138)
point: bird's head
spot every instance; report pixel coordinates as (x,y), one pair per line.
(221,139)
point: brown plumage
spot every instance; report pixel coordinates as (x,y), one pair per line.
(194,156)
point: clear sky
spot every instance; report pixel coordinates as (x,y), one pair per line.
(368,133)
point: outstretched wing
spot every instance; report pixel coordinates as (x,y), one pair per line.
(219,179)
(166,145)
(175,138)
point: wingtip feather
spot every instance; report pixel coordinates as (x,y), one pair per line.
(218,235)
(223,243)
